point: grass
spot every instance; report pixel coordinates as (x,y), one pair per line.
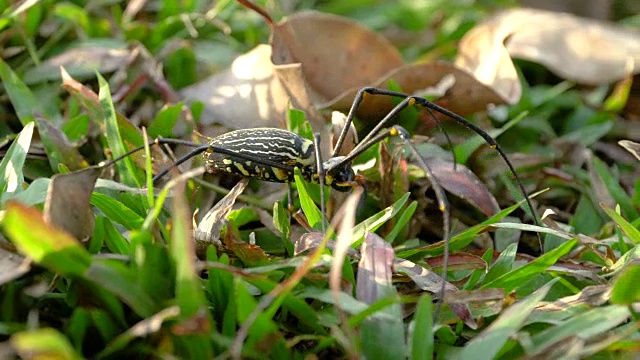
(94,264)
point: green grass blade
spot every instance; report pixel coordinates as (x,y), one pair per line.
(374,222)
(588,324)
(125,167)
(464,151)
(462,239)
(487,344)
(117,211)
(43,344)
(629,257)
(22,98)
(46,245)
(626,290)
(190,295)
(627,228)
(503,265)
(422,338)
(11,177)
(520,276)
(311,211)
(121,281)
(407,214)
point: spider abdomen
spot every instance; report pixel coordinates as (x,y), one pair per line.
(269,146)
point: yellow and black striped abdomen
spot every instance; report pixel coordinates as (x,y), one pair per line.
(267,147)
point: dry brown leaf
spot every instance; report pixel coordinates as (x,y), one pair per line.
(321,60)
(581,50)
(209,228)
(475,296)
(375,269)
(632,147)
(458,261)
(346,56)
(299,94)
(61,150)
(12,266)
(336,53)
(430,281)
(67,204)
(463,183)
(249,94)
(456,89)
(590,296)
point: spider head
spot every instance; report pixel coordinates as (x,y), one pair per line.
(340,176)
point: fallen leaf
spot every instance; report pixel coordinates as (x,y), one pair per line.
(456,89)
(344,53)
(58,146)
(598,184)
(581,50)
(67,204)
(12,266)
(589,297)
(249,94)
(431,282)
(309,242)
(463,183)
(375,269)
(209,228)
(632,147)
(475,296)
(458,261)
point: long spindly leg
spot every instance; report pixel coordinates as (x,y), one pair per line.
(321,173)
(383,123)
(410,99)
(443,204)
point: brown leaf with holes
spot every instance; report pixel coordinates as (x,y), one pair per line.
(581,50)
(67,204)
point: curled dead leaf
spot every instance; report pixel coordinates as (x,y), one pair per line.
(632,147)
(209,228)
(581,50)
(250,93)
